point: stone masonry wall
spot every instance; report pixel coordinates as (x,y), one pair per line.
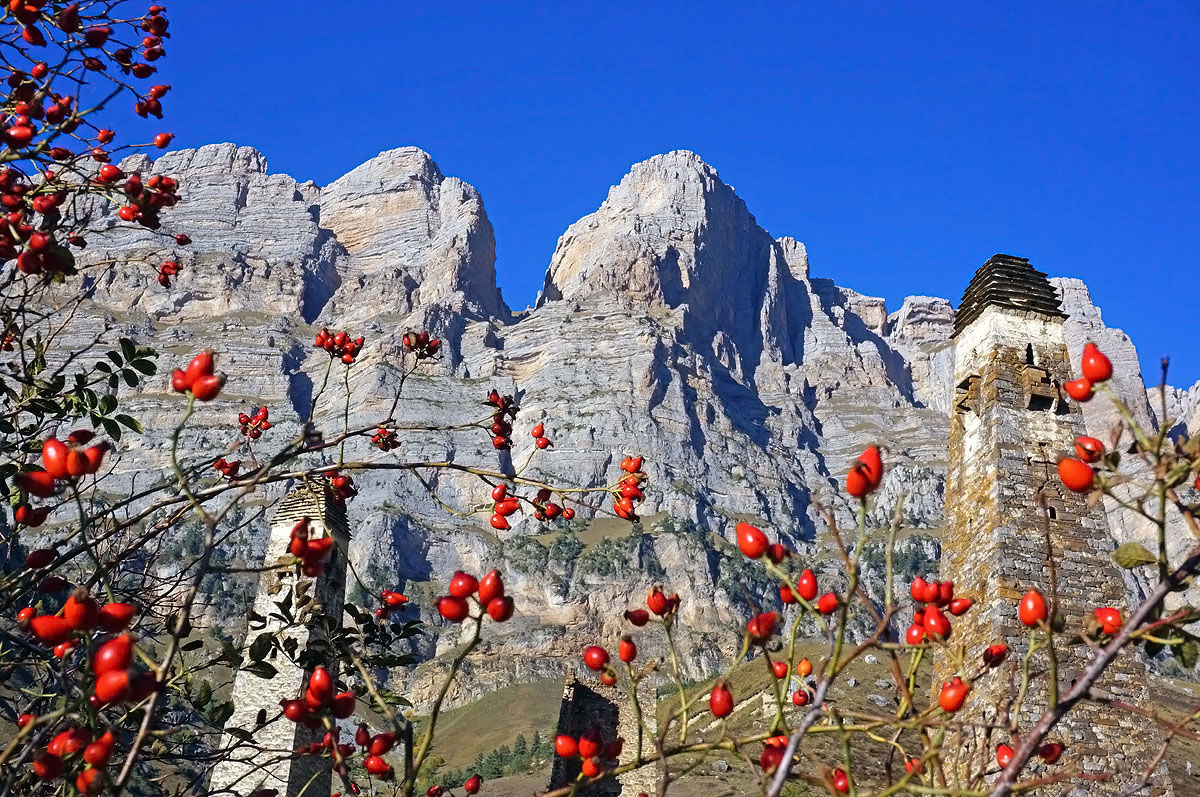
(244,770)
(587,705)
(1010,424)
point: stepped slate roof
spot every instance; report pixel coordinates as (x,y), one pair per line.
(1007,281)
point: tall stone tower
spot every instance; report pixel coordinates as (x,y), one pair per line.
(247,770)
(1010,424)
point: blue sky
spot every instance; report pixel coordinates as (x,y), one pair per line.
(903,143)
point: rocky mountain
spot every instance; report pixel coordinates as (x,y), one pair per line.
(670,324)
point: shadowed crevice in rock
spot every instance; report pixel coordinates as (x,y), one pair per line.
(321,278)
(300,385)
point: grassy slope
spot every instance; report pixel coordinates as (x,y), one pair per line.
(496,719)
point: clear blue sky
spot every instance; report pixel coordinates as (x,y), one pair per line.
(903,143)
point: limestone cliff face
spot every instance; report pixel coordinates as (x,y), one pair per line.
(670,324)
(416,239)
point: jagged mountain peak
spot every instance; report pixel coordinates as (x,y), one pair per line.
(394,165)
(416,238)
(670,233)
(213,158)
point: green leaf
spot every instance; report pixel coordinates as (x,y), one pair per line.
(147,367)
(230,654)
(130,378)
(116,358)
(240,733)
(262,669)
(128,348)
(393,699)
(1132,554)
(129,422)
(203,695)
(103,367)
(1187,652)
(108,403)
(260,647)
(111,427)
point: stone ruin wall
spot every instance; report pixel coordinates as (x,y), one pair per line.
(584,705)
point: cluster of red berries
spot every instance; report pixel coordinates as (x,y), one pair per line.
(70,748)
(1050,752)
(596,658)
(420,344)
(342,486)
(929,622)
(385,439)
(539,436)
(36,250)
(774,748)
(392,601)
(228,469)
(1077,474)
(35,115)
(253,426)
(151,104)
(61,462)
(319,699)
(504,505)
(1096,368)
(865,474)
(168,269)
(659,603)
(74,752)
(199,378)
(146,200)
(804,668)
(545,509)
(501,428)
(487,593)
(339,345)
(375,747)
(628,491)
(312,551)
(753,543)
(596,753)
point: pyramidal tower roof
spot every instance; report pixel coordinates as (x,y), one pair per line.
(1007,281)
(316,502)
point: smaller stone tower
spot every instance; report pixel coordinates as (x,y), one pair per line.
(247,770)
(1010,423)
(585,705)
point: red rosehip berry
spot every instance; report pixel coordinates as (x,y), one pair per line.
(953,694)
(1076,476)
(1109,620)
(752,542)
(1094,365)
(1032,609)
(1079,389)
(453,608)
(595,657)
(720,700)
